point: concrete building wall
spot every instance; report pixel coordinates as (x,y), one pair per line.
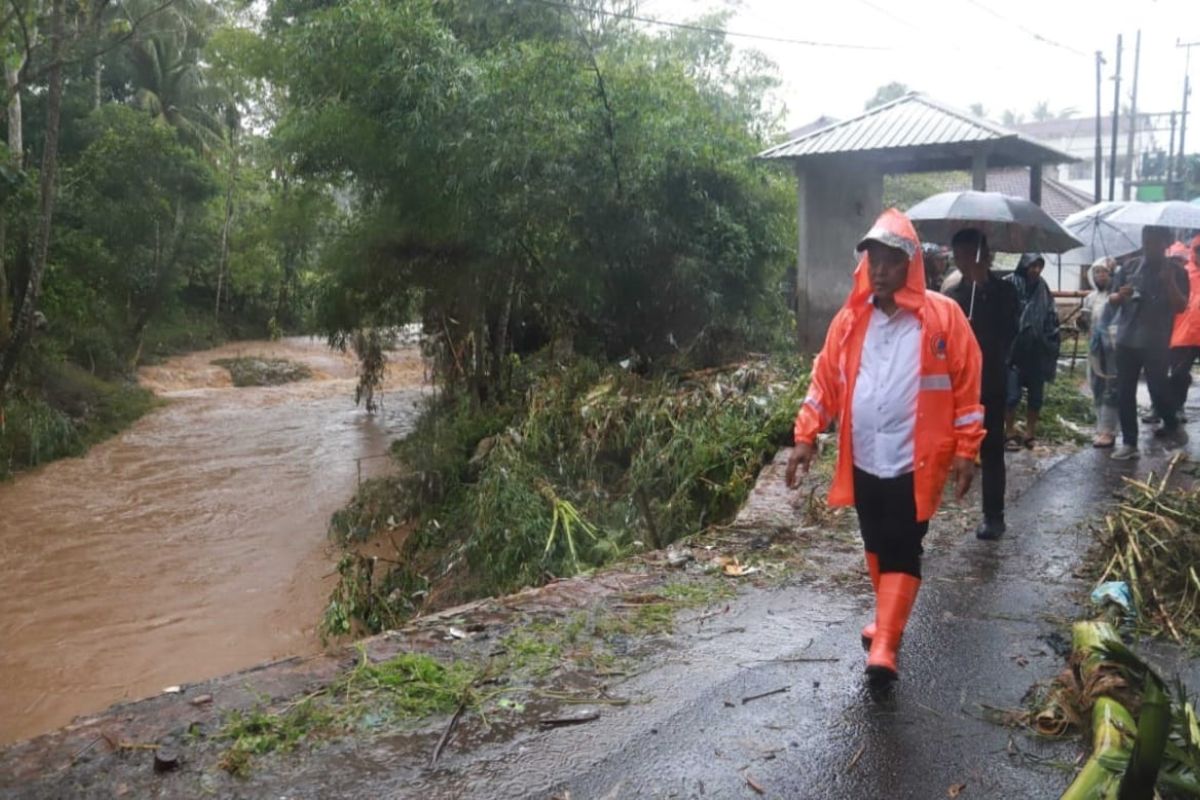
(838,201)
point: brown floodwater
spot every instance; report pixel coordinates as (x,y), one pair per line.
(191,545)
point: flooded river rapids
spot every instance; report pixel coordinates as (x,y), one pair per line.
(191,545)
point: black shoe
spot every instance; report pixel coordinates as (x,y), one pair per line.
(1166,433)
(1152,419)
(990,529)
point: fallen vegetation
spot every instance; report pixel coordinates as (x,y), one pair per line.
(1151,541)
(1144,734)
(254,371)
(587,464)
(1067,412)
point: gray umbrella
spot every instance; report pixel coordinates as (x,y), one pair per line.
(1170,214)
(1012,225)
(1101,237)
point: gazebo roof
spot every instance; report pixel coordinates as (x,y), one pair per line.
(918,134)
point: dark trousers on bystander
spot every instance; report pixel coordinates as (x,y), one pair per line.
(887,517)
(1131,362)
(991,459)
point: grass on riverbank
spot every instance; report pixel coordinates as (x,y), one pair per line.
(68,411)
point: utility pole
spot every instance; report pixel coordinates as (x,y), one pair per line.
(1100,147)
(1187,89)
(1133,120)
(1112,163)
(1171,155)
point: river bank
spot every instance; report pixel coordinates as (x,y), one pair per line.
(193,543)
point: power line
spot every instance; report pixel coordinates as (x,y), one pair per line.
(704,29)
(1027,30)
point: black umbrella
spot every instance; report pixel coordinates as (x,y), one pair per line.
(1012,225)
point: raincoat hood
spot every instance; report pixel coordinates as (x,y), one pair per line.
(1106,263)
(1193,262)
(893,229)
(1027,261)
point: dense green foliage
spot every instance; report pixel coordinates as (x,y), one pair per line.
(539,177)
(588,463)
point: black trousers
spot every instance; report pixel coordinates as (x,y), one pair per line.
(1181,360)
(1131,362)
(887,517)
(991,458)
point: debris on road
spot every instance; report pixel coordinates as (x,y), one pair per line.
(575,717)
(1151,542)
(755,785)
(753,697)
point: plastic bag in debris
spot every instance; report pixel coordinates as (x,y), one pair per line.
(1115,592)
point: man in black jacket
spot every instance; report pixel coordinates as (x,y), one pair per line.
(992,306)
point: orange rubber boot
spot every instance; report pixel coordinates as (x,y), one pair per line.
(894,602)
(868,633)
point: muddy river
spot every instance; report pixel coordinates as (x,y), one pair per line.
(193,544)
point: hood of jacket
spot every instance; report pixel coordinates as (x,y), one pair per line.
(894,229)
(1105,262)
(1028,260)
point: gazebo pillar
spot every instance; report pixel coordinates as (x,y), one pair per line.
(979,164)
(838,200)
(1035,184)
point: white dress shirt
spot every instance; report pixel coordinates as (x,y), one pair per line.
(884,410)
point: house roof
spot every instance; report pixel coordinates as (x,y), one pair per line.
(1069,128)
(917,134)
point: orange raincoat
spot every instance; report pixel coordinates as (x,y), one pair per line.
(949,414)
(1187,322)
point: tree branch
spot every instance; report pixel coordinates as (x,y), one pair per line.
(133,30)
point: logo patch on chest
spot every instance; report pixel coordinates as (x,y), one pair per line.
(937,345)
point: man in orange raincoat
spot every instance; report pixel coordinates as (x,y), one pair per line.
(1185,336)
(900,374)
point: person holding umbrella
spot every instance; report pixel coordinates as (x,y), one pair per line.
(899,372)
(1149,292)
(975,223)
(993,309)
(1185,337)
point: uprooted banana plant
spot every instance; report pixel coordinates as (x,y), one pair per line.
(1131,758)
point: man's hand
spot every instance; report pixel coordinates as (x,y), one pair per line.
(801,458)
(962,472)
(1121,295)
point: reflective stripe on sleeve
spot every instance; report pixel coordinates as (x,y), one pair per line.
(815,406)
(967,419)
(935,382)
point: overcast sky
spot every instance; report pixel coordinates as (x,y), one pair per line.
(965,51)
